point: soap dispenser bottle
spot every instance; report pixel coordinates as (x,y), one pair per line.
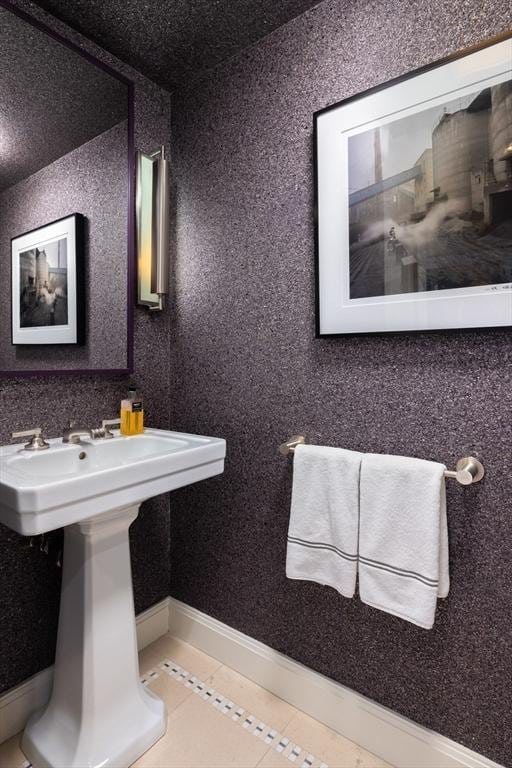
(132,414)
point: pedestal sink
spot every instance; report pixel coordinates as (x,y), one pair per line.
(99,714)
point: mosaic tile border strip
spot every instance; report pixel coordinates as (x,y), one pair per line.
(295,753)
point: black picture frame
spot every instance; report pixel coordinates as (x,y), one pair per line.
(505,315)
(48,301)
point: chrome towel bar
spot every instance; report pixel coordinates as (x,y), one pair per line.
(468,470)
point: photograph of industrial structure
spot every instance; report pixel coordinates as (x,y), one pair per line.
(43,285)
(430,198)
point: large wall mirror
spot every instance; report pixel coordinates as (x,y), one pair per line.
(66,205)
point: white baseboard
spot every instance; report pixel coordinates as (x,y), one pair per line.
(392,737)
(17,704)
(153,623)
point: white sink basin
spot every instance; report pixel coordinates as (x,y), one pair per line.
(99,714)
(44,490)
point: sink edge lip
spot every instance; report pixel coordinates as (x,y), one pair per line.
(65,480)
(88,498)
(62,482)
(31,521)
(13,448)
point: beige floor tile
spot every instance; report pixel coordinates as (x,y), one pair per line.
(11,755)
(363,759)
(199,736)
(328,746)
(172,692)
(367,760)
(182,653)
(150,656)
(274,759)
(254,699)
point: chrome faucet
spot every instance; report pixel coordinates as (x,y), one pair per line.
(73,434)
(104,430)
(37,443)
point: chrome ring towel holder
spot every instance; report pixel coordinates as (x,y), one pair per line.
(468,470)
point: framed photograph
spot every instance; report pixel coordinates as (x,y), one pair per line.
(414,200)
(47,285)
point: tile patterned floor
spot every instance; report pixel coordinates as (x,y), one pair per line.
(219,719)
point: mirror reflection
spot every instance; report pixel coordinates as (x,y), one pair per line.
(64,202)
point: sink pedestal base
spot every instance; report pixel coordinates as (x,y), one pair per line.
(99,714)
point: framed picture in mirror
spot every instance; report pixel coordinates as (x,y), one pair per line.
(47,284)
(414,200)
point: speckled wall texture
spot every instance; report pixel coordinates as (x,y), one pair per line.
(246,366)
(29,580)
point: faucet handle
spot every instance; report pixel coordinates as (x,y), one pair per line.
(107,423)
(38,443)
(27,433)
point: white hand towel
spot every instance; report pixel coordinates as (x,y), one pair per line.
(403,537)
(322,537)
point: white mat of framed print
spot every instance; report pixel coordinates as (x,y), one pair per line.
(414,198)
(46,280)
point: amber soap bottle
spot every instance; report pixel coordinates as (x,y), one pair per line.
(132,414)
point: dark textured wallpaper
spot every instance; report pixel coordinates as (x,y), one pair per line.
(176,39)
(246,366)
(29,580)
(53,100)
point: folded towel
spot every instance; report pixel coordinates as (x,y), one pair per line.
(322,537)
(403,537)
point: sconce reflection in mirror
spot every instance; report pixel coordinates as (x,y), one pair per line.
(152,203)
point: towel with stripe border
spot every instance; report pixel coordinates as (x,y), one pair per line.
(324,518)
(403,536)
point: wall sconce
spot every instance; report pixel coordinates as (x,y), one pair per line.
(152,203)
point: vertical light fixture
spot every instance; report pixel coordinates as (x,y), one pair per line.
(152,201)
